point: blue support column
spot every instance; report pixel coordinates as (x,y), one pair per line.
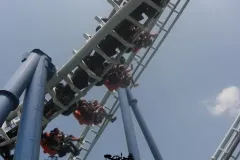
(151,143)
(30,127)
(9,96)
(128,124)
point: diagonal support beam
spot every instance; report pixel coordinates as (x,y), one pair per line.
(148,136)
(128,124)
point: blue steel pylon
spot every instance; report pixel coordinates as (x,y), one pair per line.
(126,99)
(30,127)
(32,76)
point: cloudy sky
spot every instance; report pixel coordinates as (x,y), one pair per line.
(189,94)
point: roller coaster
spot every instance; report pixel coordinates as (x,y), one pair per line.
(114,40)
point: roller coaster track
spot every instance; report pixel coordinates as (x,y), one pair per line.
(162,24)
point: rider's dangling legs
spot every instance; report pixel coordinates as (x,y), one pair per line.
(72,148)
(99,113)
(69,146)
(6,153)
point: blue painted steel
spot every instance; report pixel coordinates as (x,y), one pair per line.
(151,143)
(9,96)
(30,128)
(128,124)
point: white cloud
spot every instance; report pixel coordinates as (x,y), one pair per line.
(226,102)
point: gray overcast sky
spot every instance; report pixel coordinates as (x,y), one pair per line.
(199,58)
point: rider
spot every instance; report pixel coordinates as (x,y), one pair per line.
(119,77)
(56,142)
(145,40)
(91,113)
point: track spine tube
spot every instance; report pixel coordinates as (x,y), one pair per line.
(9,96)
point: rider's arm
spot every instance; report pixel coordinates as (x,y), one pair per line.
(74,138)
(153,35)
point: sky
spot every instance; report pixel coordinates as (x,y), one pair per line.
(189,94)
